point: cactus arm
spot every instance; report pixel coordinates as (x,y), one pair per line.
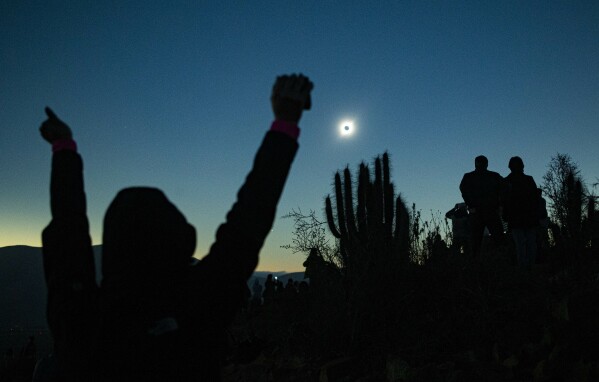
(340,208)
(349,204)
(330,218)
(363,182)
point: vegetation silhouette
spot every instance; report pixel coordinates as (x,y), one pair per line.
(573,225)
(443,317)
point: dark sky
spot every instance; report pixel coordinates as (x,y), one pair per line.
(176,95)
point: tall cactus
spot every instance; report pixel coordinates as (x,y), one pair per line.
(372,227)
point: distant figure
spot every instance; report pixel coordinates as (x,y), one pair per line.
(269,290)
(481,190)
(322,274)
(256,293)
(290,290)
(247,299)
(460,227)
(158,316)
(303,288)
(521,211)
(290,285)
(279,289)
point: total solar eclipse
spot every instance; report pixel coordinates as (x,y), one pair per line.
(346,128)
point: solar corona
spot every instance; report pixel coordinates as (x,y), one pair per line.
(346,128)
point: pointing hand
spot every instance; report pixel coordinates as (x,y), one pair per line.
(53,129)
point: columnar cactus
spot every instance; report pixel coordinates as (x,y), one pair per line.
(373,226)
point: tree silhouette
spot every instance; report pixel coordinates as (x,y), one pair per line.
(559,184)
(309,232)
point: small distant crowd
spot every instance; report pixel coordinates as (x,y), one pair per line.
(494,205)
(274,290)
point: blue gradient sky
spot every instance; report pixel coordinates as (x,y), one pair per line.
(176,95)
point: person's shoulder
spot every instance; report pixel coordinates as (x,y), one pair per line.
(531,181)
(467,180)
(492,176)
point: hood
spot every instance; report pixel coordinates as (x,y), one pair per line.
(145,238)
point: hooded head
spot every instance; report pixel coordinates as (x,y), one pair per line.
(145,237)
(481,162)
(516,164)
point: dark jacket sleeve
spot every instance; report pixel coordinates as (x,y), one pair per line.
(68,259)
(234,255)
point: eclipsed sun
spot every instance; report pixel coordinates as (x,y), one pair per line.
(346,128)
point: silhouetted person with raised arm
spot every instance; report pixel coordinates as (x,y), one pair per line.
(521,211)
(481,190)
(157,315)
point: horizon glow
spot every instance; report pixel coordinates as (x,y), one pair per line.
(433,84)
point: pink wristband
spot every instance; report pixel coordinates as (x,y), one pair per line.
(64,144)
(284,127)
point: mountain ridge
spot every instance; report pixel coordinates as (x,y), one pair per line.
(23,289)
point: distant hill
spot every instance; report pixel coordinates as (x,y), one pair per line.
(23,288)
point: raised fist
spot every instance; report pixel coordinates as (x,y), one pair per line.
(53,129)
(290,97)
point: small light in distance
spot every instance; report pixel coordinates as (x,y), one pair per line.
(346,128)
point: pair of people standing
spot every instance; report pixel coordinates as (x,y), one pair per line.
(486,192)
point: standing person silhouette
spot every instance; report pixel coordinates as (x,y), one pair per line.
(256,294)
(481,190)
(521,211)
(156,315)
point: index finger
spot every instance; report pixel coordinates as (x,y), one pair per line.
(50,113)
